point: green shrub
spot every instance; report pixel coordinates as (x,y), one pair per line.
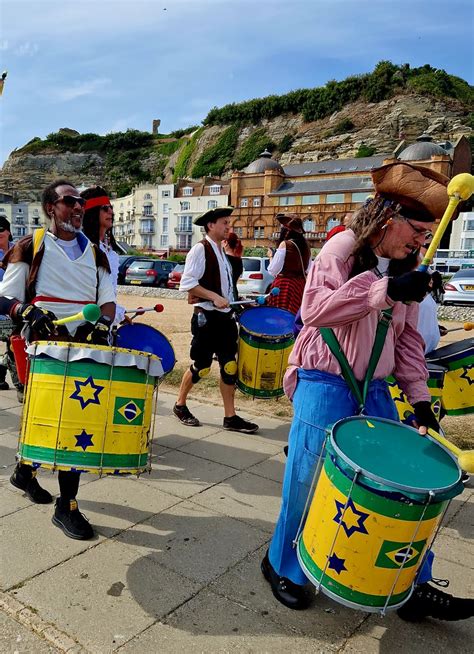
(178,133)
(181,168)
(343,126)
(251,148)
(213,160)
(169,148)
(285,144)
(365,151)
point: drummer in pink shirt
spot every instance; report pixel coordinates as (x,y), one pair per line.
(359,273)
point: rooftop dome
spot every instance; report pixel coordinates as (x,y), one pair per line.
(423,149)
(263,163)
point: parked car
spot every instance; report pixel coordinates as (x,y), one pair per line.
(125,261)
(255,278)
(460,288)
(149,272)
(174,278)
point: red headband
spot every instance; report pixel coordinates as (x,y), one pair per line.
(96,202)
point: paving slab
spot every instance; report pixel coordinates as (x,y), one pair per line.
(32,544)
(194,541)
(460,524)
(454,550)
(18,639)
(184,475)
(94,598)
(272,468)
(246,497)
(209,623)
(113,504)
(233,449)
(169,432)
(325,622)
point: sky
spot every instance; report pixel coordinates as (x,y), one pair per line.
(109,65)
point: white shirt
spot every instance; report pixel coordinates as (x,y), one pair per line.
(194,268)
(113,259)
(428,323)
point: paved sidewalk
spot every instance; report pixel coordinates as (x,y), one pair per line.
(175,564)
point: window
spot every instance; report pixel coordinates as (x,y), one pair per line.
(244,202)
(259,232)
(19,210)
(468,243)
(188,190)
(238,231)
(334,198)
(164,240)
(211,204)
(215,189)
(148,210)
(165,224)
(310,199)
(165,194)
(184,241)
(468,227)
(308,225)
(332,222)
(185,223)
(185,206)
(147,196)
(286,200)
(166,208)
(359,197)
(256,202)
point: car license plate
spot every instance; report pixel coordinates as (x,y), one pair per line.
(135,281)
(468,287)
(242,281)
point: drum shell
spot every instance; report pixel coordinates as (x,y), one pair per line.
(458,389)
(87,416)
(435,386)
(262,361)
(363,569)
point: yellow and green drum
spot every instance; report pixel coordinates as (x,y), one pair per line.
(380,496)
(88,408)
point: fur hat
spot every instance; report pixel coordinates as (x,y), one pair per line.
(212,215)
(420,190)
(291,221)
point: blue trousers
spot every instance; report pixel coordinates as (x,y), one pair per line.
(320,399)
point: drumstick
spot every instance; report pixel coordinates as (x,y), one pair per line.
(467,327)
(91,313)
(460,188)
(260,299)
(465,457)
(140,310)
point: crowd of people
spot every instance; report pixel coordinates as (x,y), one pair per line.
(364,273)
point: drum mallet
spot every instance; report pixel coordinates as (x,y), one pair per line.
(466,327)
(139,311)
(260,299)
(465,457)
(91,313)
(460,188)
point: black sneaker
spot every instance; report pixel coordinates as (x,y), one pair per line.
(4,386)
(236,423)
(429,602)
(185,416)
(285,591)
(31,487)
(71,521)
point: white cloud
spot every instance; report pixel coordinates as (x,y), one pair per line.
(27,49)
(80,90)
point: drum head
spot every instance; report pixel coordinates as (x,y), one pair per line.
(268,321)
(147,339)
(391,452)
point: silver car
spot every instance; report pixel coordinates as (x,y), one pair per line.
(460,288)
(255,278)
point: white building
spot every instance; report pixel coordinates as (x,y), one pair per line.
(462,234)
(24,217)
(160,217)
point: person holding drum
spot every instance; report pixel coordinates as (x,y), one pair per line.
(207,277)
(350,284)
(97,226)
(289,264)
(55,273)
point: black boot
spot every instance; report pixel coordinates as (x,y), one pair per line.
(24,478)
(291,595)
(430,602)
(68,518)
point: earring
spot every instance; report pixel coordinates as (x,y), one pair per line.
(389,222)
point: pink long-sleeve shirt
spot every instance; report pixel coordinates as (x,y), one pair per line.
(352,308)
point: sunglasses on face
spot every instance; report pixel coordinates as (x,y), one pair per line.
(107,207)
(70,200)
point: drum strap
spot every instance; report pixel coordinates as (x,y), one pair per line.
(333,344)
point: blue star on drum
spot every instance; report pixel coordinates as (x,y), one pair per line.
(335,563)
(87,392)
(84,440)
(352,520)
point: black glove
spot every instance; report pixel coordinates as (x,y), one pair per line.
(409,287)
(40,320)
(99,335)
(424,415)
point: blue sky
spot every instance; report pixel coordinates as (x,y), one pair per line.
(108,65)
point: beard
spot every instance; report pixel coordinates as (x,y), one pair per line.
(67,227)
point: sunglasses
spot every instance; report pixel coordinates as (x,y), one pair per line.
(107,207)
(70,200)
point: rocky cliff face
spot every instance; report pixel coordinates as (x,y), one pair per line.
(378,125)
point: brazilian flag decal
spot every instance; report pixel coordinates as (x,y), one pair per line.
(128,411)
(394,555)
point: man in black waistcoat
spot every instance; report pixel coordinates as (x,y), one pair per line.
(207,277)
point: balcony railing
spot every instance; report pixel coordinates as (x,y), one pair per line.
(146,230)
(183,230)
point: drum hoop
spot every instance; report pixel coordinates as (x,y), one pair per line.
(382,480)
(268,337)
